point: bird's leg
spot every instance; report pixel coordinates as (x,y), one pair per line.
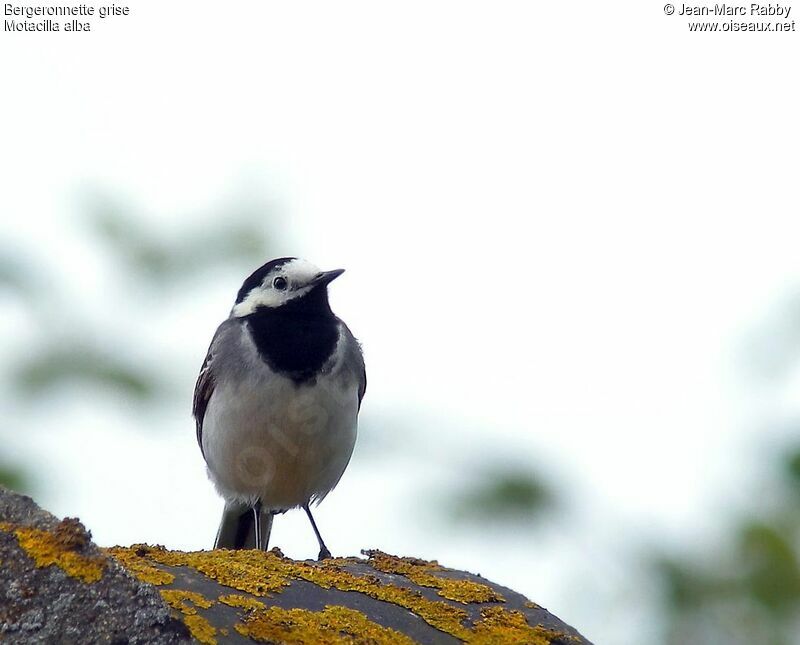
(257,524)
(266,529)
(323,550)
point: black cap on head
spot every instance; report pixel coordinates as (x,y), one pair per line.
(257,277)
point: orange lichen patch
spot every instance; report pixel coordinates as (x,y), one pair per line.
(139,567)
(419,572)
(331,626)
(236,600)
(199,627)
(532,605)
(60,548)
(499,625)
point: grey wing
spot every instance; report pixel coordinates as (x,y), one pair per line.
(213,365)
(362,381)
(207,380)
(203,390)
(355,360)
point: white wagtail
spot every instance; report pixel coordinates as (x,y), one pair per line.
(277,401)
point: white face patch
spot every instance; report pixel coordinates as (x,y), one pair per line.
(298,275)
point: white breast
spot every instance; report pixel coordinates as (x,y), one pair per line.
(264,437)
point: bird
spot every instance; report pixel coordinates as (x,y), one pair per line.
(276,402)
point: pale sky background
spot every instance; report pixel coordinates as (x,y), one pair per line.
(561,224)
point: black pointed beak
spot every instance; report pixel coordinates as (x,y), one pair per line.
(327,277)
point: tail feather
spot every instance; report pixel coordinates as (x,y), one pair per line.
(236,530)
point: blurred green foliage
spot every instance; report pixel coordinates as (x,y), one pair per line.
(774,349)
(14,478)
(747,589)
(235,236)
(49,368)
(238,239)
(501,493)
(13,276)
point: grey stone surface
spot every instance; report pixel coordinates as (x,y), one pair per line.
(45,605)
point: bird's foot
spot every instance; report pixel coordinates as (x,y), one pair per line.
(324,554)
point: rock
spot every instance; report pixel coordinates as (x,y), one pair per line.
(57,586)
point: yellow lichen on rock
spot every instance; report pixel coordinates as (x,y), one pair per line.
(419,572)
(261,574)
(131,558)
(332,626)
(201,630)
(440,615)
(243,602)
(177,598)
(199,627)
(499,625)
(252,571)
(60,548)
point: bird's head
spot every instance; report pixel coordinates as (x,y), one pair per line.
(282,282)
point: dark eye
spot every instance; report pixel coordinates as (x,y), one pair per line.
(280,283)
